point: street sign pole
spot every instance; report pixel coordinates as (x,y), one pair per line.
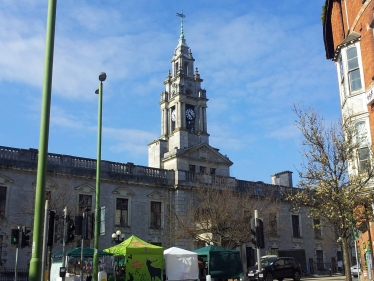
(258,248)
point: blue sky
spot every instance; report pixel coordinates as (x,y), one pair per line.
(257,59)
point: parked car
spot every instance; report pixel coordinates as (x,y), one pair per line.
(275,268)
(354,270)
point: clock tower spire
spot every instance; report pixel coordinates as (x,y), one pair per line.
(183,113)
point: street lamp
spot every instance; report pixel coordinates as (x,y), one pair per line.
(118,236)
(102,78)
(36,262)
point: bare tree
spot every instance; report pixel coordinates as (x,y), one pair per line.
(333,181)
(222,215)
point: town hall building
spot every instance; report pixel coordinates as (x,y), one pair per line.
(138,200)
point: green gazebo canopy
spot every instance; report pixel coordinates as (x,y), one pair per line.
(222,263)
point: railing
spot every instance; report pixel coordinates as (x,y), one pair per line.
(8,153)
(83,163)
(7,274)
(27,159)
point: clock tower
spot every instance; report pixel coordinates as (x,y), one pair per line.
(183,111)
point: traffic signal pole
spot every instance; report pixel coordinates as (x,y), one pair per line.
(63,240)
(257,248)
(45,240)
(17,248)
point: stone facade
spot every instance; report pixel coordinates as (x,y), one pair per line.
(140,185)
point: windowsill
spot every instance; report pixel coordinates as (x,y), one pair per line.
(355,93)
(297,239)
(274,238)
(126,226)
(158,231)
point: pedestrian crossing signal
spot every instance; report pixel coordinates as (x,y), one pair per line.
(14,236)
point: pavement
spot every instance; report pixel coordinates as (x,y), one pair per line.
(335,277)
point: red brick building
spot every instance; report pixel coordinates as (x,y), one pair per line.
(348,36)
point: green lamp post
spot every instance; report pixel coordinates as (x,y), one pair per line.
(102,78)
(35,273)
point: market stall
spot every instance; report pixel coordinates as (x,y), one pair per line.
(180,264)
(142,260)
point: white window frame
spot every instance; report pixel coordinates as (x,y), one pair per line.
(349,71)
(343,72)
(362,137)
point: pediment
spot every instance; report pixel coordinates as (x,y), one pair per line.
(156,195)
(5,180)
(85,188)
(123,191)
(49,184)
(204,152)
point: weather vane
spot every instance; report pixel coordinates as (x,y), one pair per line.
(181,15)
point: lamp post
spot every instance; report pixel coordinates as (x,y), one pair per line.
(37,243)
(118,236)
(102,78)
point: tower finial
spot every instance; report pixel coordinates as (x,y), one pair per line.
(181,15)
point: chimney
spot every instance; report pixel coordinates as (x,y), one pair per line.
(282,178)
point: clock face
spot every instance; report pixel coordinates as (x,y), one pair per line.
(190,114)
(173,115)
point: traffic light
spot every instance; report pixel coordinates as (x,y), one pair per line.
(26,235)
(70,230)
(260,234)
(51,228)
(14,236)
(253,239)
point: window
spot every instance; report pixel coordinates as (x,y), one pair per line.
(319,254)
(342,79)
(363,157)
(273,224)
(361,138)
(353,69)
(317,229)
(176,68)
(2,200)
(173,118)
(296,226)
(361,133)
(192,168)
(202,169)
(121,218)
(186,69)
(85,203)
(212,171)
(155,215)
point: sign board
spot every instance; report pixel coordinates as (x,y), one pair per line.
(102,221)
